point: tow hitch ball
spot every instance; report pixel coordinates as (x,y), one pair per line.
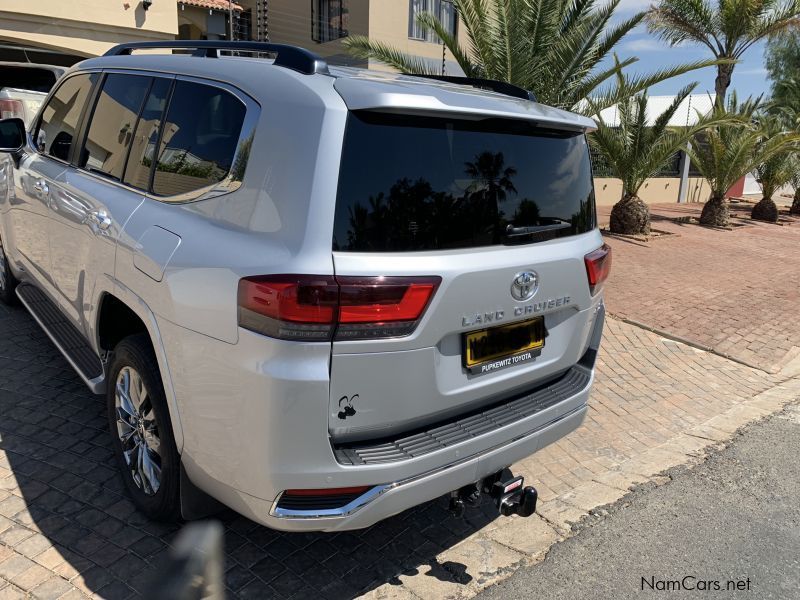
(510,495)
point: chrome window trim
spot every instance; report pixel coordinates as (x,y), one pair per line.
(377,491)
(230,183)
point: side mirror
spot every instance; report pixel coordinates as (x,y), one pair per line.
(12,135)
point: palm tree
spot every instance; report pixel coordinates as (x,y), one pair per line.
(555,48)
(727,151)
(636,149)
(728,28)
(492,181)
(490,176)
(776,169)
(795,183)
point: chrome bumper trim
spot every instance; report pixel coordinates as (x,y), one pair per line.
(377,491)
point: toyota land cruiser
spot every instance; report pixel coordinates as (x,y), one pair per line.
(319,296)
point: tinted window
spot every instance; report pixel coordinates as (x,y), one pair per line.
(60,117)
(27,78)
(112,124)
(145,138)
(418,183)
(199,138)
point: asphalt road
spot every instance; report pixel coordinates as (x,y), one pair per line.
(735,518)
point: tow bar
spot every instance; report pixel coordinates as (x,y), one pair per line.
(510,495)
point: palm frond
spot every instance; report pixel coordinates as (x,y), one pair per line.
(363,47)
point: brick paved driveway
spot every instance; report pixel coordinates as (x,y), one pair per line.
(66,528)
(735,291)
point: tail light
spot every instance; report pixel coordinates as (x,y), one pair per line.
(318,308)
(598,267)
(12,108)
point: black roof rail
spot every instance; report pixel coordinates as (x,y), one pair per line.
(291,57)
(501,87)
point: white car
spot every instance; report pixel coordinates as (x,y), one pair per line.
(24,87)
(318,296)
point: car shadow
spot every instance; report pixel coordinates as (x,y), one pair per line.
(63,500)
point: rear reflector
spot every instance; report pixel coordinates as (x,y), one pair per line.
(311,502)
(598,267)
(345,491)
(323,307)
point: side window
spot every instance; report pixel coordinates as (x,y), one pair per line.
(57,127)
(111,129)
(143,147)
(199,138)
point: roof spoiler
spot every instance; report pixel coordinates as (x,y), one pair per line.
(291,57)
(501,87)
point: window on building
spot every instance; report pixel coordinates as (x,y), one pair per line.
(198,140)
(443,9)
(56,130)
(328,20)
(145,138)
(672,168)
(113,121)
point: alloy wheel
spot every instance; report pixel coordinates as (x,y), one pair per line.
(138,431)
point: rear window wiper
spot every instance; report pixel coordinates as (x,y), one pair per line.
(557,225)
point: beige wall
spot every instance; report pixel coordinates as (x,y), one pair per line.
(85,27)
(196,18)
(388,22)
(608,190)
(289,22)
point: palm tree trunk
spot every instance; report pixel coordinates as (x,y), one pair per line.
(715,212)
(630,216)
(795,210)
(765,210)
(722,82)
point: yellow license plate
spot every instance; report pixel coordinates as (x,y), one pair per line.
(504,344)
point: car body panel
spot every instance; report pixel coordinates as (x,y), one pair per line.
(82,253)
(407,382)
(253,415)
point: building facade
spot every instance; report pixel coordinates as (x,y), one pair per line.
(84,28)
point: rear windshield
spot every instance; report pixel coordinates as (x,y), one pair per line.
(417,183)
(27,78)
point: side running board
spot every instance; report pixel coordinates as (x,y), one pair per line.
(65,336)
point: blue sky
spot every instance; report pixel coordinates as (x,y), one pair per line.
(749,76)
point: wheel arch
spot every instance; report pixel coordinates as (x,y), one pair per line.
(122,313)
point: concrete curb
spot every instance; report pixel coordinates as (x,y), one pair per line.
(693,344)
(494,553)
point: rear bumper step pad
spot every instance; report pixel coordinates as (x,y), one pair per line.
(443,435)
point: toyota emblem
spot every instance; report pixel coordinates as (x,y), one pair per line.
(524,285)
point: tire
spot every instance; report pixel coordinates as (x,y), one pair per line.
(8,283)
(141,430)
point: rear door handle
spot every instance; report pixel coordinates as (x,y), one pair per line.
(100,219)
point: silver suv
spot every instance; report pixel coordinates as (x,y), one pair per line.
(317,296)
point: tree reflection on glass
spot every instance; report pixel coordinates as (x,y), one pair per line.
(414,215)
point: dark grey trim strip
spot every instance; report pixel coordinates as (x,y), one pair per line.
(377,491)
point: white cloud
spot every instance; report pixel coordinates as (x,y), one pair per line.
(759,71)
(643,45)
(630,6)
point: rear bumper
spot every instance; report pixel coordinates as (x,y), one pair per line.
(387,500)
(267,441)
